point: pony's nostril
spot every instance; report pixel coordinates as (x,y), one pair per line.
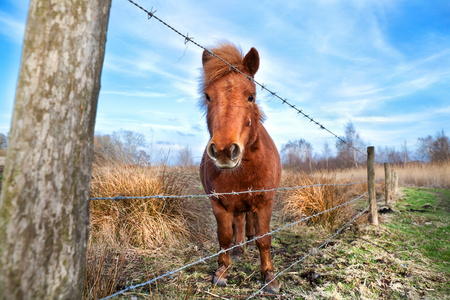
(235,151)
(211,151)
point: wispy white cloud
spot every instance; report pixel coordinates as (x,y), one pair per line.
(140,94)
(11,28)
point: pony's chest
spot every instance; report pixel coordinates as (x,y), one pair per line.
(239,182)
(241,202)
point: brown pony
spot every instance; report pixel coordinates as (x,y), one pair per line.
(239,156)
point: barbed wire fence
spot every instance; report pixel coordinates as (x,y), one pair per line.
(188,39)
(217,195)
(172,272)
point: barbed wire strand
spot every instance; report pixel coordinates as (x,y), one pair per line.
(170,273)
(187,39)
(310,253)
(217,195)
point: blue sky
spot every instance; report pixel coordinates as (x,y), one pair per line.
(382,64)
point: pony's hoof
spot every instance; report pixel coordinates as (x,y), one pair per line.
(220,281)
(220,277)
(273,287)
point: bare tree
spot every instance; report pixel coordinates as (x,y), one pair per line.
(440,148)
(424,149)
(3,141)
(380,155)
(405,154)
(124,145)
(297,154)
(435,149)
(184,157)
(44,206)
(326,153)
(350,148)
(3,144)
(131,142)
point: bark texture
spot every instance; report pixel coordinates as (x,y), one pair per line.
(373,217)
(44,206)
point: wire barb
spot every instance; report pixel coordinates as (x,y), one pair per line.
(151,13)
(188,39)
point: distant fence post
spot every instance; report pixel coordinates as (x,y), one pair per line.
(44,206)
(392,185)
(387,182)
(371,185)
(395,185)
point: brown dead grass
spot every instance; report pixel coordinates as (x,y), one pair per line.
(144,223)
(128,230)
(311,200)
(423,175)
(104,269)
(412,174)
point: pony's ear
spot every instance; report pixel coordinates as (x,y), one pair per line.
(206,56)
(251,61)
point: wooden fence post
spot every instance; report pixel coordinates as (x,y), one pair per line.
(371,184)
(44,206)
(387,182)
(395,185)
(392,185)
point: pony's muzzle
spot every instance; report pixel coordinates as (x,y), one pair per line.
(227,157)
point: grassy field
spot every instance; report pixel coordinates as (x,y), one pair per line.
(406,257)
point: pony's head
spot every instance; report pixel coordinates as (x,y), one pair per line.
(229,98)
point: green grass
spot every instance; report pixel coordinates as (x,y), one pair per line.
(423,222)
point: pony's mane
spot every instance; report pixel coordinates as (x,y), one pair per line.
(214,68)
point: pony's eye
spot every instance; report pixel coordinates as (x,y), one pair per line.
(207,97)
(251,98)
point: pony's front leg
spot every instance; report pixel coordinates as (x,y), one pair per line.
(262,226)
(239,235)
(225,235)
(249,226)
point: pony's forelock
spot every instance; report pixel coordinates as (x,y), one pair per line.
(214,68)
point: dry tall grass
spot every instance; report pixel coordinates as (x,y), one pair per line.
(312,200)
(144,223)
(104,269)
(126,229)
(412,174)
(423,175)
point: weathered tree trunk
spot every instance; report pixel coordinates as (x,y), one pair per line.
(44,206)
